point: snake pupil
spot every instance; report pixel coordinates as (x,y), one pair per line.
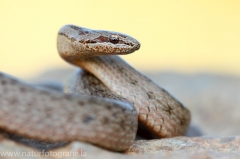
(114,39)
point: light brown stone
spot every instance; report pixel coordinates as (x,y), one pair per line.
(218,144)
(172,148)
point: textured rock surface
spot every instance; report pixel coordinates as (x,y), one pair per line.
(218,144)
(84,150)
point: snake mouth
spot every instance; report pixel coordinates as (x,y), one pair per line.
(103,39)
(94,41)
(103,48)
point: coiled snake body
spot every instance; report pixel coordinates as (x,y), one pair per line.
(53,116)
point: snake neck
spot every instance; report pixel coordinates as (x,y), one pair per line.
(112,70)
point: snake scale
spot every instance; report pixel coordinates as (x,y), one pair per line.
(82,113)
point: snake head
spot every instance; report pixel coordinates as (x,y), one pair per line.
(74,40)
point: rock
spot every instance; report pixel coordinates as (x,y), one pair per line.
(218,144)
(172,148)
(177,148)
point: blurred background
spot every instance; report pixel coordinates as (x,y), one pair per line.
(180,36)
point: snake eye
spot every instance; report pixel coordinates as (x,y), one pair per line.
(114,38)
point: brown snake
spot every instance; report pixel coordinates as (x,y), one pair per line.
(53,116)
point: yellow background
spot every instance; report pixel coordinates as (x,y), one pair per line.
(175,35)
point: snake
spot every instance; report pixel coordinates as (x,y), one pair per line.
(103,103)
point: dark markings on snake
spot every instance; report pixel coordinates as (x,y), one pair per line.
(126,43)
(13,81)
(48,114)
(73,39)
(87,119)
(115,114)
(109,107)
(105,120)
(88,41)
(81,103)
(63,34)
(122,124)
(169,111)
(68,96)
(181,105)
(163,120)
(182,121)
(134,82)
(13,101)
(169,107)
(31,103)
(121,70)
(22,89)
(3,82)
(148,109)
(151,95)
(124,36)
(81,31)
(101,39)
